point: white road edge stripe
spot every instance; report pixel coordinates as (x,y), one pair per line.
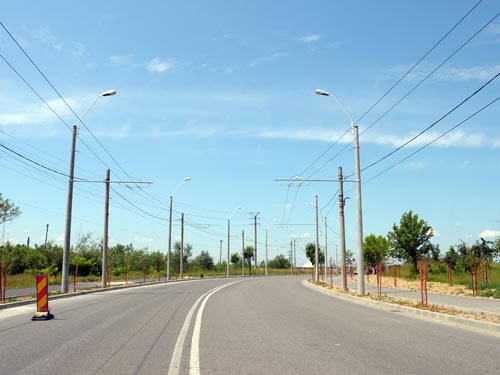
(194,359)
(175,362)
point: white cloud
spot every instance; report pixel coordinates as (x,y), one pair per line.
(160,66)
(143,239)
(266,59)
(479,73)
(48,37)
(488,233)
(124,61)
(494,29)
(310,38)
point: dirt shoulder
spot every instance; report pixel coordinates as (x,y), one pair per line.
(415,285)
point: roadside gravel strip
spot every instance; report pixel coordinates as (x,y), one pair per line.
(471,324)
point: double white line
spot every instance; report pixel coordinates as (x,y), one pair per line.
(194,357)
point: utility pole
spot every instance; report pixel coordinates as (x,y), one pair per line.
(69,209)
(46,235)
(169,251)
(342,230)
(220,255)
(243,252)
(295,252)
(105,239)
(255,239)
(326,247)
(228,245)
(316,255)
(266,252)
(181,260)
(291,263)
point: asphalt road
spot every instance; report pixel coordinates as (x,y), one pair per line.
(270,325)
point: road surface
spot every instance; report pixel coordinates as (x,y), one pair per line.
(272,325)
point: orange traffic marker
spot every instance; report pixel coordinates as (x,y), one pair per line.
(42,299)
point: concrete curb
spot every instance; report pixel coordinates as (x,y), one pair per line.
(83,292)
(471,324)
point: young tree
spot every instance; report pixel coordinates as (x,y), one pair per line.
(410,240)
(376,249)
(8,210)
(235,259)
(248,257)
(311,253)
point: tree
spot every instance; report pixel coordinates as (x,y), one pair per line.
(204,261)
(8,210)
(349,258)
(279,262)
(248,257)
(410,240)
(311,253)
(376,249)
(235,259)
(176,255)
(451,257)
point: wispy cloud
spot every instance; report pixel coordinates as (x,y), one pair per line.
(266,59)
(488,233)
(494,29)
(159,66)
(127,62)
(48,37)
(477,73)
(310,38)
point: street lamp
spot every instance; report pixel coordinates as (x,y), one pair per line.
(69,204)
(359,214)
(228,239)
(170,226)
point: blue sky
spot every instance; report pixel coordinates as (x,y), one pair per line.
(223,92)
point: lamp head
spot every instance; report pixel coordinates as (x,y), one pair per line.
(322,92)
(187,179)
(108,93)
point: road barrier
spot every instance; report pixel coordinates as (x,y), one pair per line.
(42,299)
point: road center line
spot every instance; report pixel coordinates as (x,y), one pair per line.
(194,359)
(175,362)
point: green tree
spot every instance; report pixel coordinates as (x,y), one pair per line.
(176,256)
(248,257)
(204,261)
(349,258)
(376,249)
(311,253)
(279,262)
(410,240)
(8,210)
(451,257)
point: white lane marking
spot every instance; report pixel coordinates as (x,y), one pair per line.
(194,359)
(175,362)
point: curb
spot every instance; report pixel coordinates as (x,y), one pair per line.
(83,292)
(471,324)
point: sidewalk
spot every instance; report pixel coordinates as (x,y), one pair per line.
(472,304)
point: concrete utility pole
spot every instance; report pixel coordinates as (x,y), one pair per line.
(243,252)
(255,239)
(359,215)
(181,260)
(69,203)
(169,251)
(266,252)
(342,230)
(228,245)
(316,255)
(326,247)
(46,235)
(220,255)
(295,253)
(290,257)
(105,238)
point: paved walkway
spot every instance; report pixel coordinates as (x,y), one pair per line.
(476,304)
